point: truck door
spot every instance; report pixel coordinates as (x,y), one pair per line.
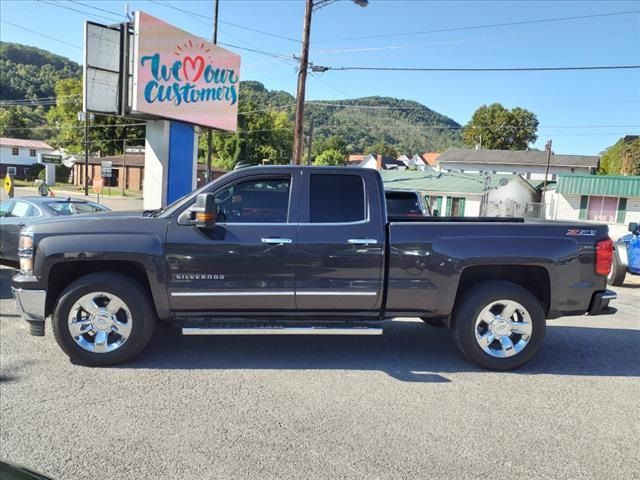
(340,255)
(247,261)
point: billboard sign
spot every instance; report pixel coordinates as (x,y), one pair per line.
(179,76)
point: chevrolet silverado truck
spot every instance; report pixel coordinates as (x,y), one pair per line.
(304,250)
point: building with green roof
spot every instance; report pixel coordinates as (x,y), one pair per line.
(614,200)
(459,194)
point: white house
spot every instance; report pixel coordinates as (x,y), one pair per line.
(17,155)
(378,162)
(614,200)
(530,164)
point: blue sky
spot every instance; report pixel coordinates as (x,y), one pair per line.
(583,112)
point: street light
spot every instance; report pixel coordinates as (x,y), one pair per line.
(298,136)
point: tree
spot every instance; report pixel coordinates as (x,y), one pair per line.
(106,133)
(330,157)
(383,149)
(498,128)
(262,136)
(621,158)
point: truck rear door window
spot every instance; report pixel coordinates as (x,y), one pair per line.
(336,199)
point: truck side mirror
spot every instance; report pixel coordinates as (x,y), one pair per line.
(205,211)
(633,227)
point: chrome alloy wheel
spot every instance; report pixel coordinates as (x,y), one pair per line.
(100,322)
(503,328)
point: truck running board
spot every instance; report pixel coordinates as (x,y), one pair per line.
(310,330)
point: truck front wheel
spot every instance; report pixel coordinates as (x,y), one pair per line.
(103,319)
(499,325)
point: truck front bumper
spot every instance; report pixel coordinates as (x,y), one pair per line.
(31,305)
(600,303)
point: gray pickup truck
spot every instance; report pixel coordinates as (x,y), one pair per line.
(304,250)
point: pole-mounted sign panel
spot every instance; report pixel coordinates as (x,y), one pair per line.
(106,168)
(51,158)
(179,76)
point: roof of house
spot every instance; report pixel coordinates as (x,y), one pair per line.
(516,157)
(605,185)
(356,158)
(24,143)
(442,182)
(431,158)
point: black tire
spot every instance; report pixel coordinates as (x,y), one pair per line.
(435,322)
(136,298)
(617,273)
(469,307)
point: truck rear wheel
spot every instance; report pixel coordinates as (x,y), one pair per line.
(499,325)
(103,319)
(617,273)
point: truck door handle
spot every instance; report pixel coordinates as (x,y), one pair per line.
(276,241)
(362,241)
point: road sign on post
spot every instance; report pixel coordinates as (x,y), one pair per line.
(8,185)
(97,186)
(106,168)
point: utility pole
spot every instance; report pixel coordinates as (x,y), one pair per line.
(124,162)
(298,131)
(209,132)
(309,160)
(86,154)
(546,173)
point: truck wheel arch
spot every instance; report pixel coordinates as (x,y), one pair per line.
(62,274)
(534,278)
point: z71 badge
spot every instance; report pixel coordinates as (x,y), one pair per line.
(576,232)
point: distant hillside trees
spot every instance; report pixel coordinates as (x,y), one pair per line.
(495,127)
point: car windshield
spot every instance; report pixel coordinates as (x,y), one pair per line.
(75,208)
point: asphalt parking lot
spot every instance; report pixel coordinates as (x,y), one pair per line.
(403,405)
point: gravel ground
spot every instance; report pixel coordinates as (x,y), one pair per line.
(403,405)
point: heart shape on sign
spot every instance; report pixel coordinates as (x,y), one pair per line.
(193,66)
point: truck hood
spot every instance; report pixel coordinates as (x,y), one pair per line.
(108,222)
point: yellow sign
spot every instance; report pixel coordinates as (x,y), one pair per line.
(8,183)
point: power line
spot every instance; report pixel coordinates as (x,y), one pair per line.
(83,12)
(490,25)
(488,69)
(210,20)
(41,34)
(111,12)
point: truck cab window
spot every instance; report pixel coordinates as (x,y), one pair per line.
(336,199)
(254,201)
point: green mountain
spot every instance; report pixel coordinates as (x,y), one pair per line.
(28,73)
(407,125)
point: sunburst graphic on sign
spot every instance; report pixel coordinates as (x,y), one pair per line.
(193,65)
(189,46)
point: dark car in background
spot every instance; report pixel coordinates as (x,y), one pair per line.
(406,203)
(15,213)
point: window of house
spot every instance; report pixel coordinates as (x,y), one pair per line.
(15,151)
(455,207)
(263,200)
(602,209)
(32,152)
(336,199)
